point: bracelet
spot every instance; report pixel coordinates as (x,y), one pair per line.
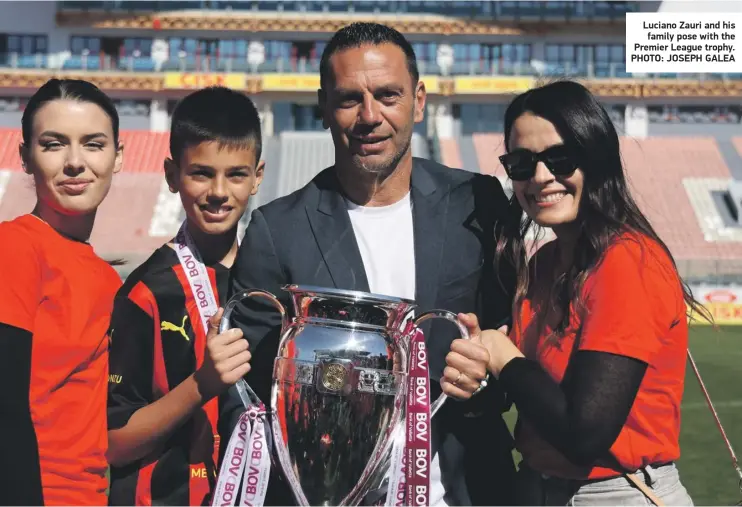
(482,385)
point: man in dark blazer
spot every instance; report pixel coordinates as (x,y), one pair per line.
(436,245)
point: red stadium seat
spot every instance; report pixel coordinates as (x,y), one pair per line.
(123,221)
(450,154)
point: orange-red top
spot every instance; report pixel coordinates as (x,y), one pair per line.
(634,307)
(61,292)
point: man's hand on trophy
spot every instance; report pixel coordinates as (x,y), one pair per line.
(226,360)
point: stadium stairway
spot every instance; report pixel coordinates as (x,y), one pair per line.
(469,160)
(420,146)
(737,143)
(731,155)
(271,155)
(303,156)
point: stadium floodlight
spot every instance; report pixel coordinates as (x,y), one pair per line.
(255,55)
(539,66)
(160,52)
(84,58)
(444,58)
(182,57)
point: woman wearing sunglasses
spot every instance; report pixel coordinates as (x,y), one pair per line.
(595,362)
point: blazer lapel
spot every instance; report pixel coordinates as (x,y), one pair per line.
(429,211)
(334,234)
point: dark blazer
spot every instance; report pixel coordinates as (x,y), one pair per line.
(307,238)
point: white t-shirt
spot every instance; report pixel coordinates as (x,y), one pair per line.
(386,241)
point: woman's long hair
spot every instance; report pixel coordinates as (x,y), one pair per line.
(607,208)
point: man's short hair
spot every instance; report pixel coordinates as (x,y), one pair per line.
(215,114)
(359,34)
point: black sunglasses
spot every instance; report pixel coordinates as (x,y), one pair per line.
(520,165)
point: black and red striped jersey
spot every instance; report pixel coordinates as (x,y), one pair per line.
(157,341)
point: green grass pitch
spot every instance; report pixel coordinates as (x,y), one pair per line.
(705,466)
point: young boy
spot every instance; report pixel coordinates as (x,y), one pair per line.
(166,385)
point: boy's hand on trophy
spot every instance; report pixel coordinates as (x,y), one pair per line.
(227,359)
(466,363)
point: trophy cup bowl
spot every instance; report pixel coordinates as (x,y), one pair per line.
(339,387)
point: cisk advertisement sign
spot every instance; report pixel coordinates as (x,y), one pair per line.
(724,302)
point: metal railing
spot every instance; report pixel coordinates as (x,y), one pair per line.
(193,63)
(543,10)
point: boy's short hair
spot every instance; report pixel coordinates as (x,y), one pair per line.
(215,114)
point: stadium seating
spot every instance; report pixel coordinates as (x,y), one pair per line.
(680,183)
(140,211)
(487,148)
(123,222)
(673,180)
(450,153)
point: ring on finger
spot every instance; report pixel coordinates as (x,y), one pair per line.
(456,382)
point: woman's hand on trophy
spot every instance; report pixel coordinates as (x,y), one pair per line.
(501,349)
(466,365)
(227,359)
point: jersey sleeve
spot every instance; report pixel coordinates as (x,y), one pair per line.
(20,295)
(131,356)
(20,276)
(631,301)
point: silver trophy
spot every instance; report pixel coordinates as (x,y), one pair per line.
(339,388)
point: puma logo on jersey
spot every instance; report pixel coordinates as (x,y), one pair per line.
(169,326)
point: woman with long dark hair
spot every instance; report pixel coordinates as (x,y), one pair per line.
(595,362)
(56,297)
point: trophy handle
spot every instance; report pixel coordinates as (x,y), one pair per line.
(451,317)
(247,395)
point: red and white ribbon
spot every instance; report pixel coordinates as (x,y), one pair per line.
(197,275)
(409,481)
(258,465)
(247,460)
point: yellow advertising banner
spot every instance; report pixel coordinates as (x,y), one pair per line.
(197,80)
(492,85)
(724,303)
(431,84)
(724,314)
(310,83)
(290,82)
